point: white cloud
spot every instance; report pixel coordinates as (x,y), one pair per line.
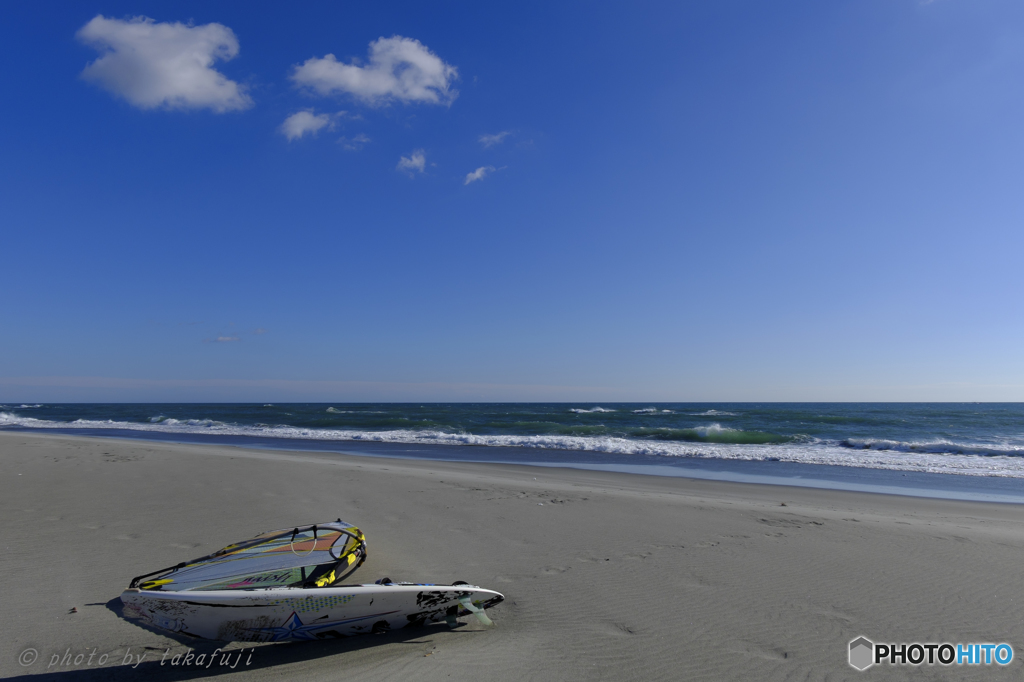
(226,339)
(302,122)
(414,162)
(490,140)
(168,65)
(397,68)
(353,144)
(479,174)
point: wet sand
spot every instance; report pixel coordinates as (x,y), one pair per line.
(606,575)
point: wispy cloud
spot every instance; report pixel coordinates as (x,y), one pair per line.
(302,122)
(260,331)
(223,339)
(489,141)
(397,69)
(415,162)
(354,144)
(153,64)
(479,174)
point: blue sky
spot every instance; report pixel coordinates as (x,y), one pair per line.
(640,201)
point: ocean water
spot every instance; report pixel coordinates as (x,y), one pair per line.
(966,439)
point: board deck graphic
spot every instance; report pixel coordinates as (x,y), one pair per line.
(292,614)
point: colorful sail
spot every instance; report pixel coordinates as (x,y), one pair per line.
(308,556)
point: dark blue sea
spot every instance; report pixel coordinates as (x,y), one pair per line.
(973,450)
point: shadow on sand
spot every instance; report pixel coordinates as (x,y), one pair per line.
(216,662)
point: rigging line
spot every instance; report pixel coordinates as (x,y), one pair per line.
(292,544)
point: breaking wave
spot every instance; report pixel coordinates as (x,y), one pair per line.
(947,459)
(713,413)
(714,433)
(579,410)
(160,419)
(334,410)
(939,447)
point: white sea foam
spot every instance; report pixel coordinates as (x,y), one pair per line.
(943,447)
(1008,464)
(711,429)
(334,410)
(713,413)
(652,410)
(159,419)
(578,410)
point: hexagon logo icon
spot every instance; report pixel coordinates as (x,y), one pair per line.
(862,653)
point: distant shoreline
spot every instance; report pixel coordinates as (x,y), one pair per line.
(848,445)
(817,476)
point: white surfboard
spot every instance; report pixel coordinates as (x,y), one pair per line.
(290,613)
(286,585)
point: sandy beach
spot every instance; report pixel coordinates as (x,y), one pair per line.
(606,576)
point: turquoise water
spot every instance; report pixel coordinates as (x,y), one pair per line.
(984,439)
